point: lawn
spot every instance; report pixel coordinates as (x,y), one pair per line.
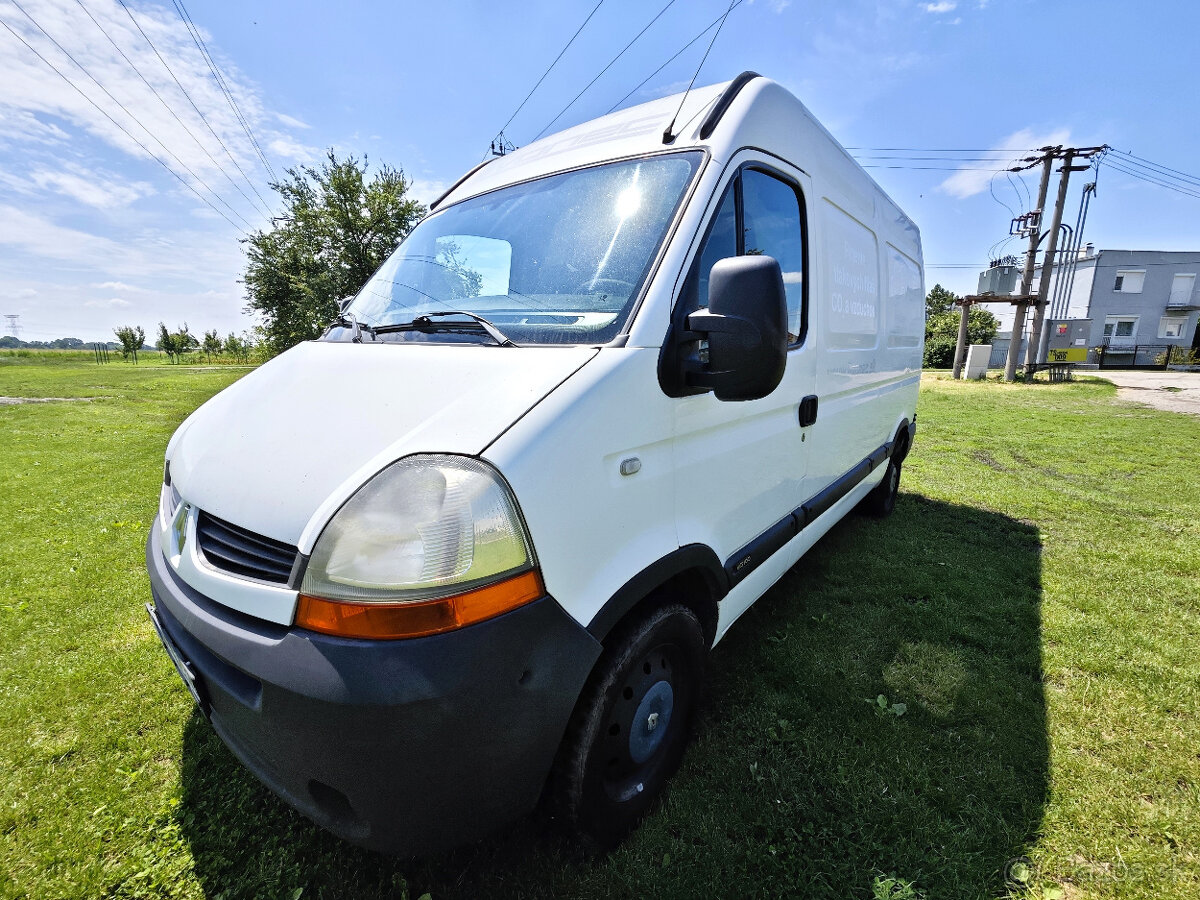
(1005,668)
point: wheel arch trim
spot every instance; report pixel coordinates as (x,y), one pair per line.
(698,559)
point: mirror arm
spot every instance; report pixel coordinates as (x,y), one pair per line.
(700,325)
(705,322)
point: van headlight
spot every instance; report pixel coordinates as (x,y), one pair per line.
(418,544)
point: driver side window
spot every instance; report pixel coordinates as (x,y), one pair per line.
(758,214)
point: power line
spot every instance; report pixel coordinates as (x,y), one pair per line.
(938,168)
(212,67)
(992,191)
(123,129)
(1155,168)
(1028,199)
(703,59)
(670,3)
(188,95)
(168,108)
(1152,179)
(995,159)
(551,66)
(678,54)
(1002,151)
(1149,180)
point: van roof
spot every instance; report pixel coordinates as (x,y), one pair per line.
(761,113)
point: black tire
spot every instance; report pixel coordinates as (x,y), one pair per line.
(631,725)
(882,499)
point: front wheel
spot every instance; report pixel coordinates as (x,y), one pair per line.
(631,725)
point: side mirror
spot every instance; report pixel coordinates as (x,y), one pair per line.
(345,302)
(746,328)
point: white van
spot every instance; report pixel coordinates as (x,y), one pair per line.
(476,542)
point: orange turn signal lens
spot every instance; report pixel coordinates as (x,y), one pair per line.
(417,618)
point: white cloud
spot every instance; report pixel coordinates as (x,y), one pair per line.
(291,121)
(19,125)
(942,6)
(93,188)
(777,6)
(30,92)
(293,150)
(426,190)
(110,303)
(975,178)
(196,256)
(44,239)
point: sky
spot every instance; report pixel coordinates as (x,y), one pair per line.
(128,180)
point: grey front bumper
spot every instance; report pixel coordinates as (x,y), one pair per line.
(401,746)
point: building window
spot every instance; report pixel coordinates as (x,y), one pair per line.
(1129,281)
(1182,287)
(1171,326)
(1120,329)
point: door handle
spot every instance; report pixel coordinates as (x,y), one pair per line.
(808,410)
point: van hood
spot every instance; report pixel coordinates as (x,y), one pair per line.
(317,421)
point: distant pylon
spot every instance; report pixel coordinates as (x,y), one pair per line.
(14,325)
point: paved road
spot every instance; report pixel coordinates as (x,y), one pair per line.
(1151,388)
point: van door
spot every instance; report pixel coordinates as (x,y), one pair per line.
(740,466)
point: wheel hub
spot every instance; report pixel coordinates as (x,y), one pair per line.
(651,721)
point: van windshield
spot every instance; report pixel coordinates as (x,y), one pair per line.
(559,260)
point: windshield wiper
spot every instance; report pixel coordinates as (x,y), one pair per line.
(347,320)
(425,321)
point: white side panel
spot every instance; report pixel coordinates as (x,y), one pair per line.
(856,373)
(762,578)
(742,466)
(593,528)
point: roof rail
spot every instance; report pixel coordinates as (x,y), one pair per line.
(454,187)
(723,102)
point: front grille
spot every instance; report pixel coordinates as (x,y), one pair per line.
(240,552)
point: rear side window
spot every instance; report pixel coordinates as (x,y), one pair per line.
(760,214)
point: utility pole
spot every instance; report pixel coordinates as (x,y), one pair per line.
(1018,329)
(1033,353)
(960,348)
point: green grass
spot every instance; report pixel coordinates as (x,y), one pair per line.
(1030,615)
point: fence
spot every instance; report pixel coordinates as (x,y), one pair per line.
(1139,356)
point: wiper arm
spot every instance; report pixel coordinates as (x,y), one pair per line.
(425,320)
(347,320)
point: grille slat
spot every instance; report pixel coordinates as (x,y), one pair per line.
(238,551)
(225,557)
(245,541)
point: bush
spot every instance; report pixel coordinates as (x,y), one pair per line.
(941,335)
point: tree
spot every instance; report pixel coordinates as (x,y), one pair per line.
(132,340)
(176,343)
(336,230)
(211,345)
(939,300)
(941,327)
(238,348)
(166,342)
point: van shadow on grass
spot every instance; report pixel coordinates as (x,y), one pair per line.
(878,714)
